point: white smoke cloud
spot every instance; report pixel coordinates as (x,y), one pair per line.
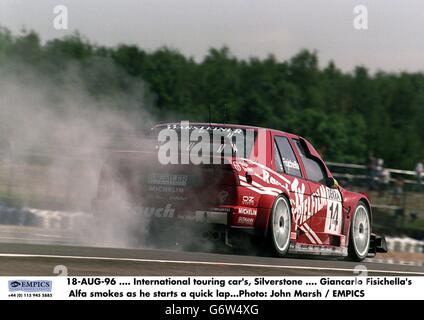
(55,133)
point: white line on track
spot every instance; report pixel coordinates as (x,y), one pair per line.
(18,255)
(35,240)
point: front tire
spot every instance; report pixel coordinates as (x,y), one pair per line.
(360,233)
(280,226)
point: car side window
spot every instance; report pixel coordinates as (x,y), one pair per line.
(287,157)
(277,159)
(313,168)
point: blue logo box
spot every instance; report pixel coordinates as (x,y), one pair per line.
(30,285)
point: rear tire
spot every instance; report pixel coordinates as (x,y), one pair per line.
(360,233)
(280,226)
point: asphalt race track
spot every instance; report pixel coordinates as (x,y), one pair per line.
(19,256)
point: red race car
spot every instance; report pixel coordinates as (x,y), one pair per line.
(228,183)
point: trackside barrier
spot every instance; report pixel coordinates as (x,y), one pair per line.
(405,245)
(359,173)
(48,219)
(62,220)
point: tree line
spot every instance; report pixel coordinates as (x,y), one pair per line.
(344,114)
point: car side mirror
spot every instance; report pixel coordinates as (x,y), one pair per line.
(331,183)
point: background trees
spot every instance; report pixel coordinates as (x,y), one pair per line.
(345,114)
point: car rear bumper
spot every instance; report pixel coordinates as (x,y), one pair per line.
(211,217)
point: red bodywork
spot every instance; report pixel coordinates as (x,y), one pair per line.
(240,195)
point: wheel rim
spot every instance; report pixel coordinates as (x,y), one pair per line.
(361,230)
(281,224)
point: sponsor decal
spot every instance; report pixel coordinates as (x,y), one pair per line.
(303,207)
(334,194)
(333,221)
(30,286)
(268,178)
(245,221)
(248,211)
(291,164)
(199,143)
(164,179)
(166,189)
(186,126)
(306,207)
(167,212)
(248,200)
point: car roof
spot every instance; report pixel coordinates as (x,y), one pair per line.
(211,124)
(226,125)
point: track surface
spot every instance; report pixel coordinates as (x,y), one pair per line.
(21,257)
(25,259)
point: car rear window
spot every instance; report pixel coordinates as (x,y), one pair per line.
(235,141)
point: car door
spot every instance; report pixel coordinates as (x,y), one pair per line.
(327,202)
(287,163)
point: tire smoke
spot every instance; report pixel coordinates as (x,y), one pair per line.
(56,132)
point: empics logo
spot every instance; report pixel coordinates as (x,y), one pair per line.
(30,286)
